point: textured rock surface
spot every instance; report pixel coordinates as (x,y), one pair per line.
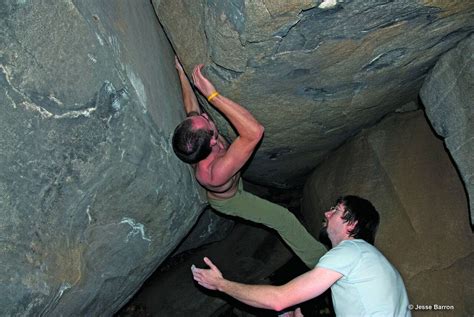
(313,73)
(249,254)
(448,96)
(210,227)
(404,170)
(91,196)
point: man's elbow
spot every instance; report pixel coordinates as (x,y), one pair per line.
(258,133)
(261,131)
(278,307)
(273,304)
(253,135)
(278,302)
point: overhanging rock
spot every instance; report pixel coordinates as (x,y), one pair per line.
(313,73)
(92,197)
(448,97)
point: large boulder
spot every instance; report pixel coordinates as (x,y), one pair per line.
(405,171)
(449,102)
(92,199)
(313,72)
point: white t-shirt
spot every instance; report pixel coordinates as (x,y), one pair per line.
(370,285)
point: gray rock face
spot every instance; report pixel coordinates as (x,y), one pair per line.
(209,228)
(404,170)
(313,73)
(249,254)
(448,96)
(92,198)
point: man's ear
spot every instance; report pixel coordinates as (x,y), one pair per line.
(213,141)
(351,226)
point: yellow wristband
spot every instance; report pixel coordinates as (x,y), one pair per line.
(212,96)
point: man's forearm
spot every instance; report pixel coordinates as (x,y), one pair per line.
(189,98)
(298,290)
(260,296)
(248,128)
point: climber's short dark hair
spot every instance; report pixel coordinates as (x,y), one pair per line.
(191,145)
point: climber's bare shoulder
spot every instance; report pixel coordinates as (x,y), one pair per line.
(217,187)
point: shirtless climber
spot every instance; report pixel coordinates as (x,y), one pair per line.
(217,164)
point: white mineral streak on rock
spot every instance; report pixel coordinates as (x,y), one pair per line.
(115,45)
(64,287)
(33,107)
(55,100)
(88,212)
(92,58)
(75,114)
(54,301)
(101,41)
(7,73)
(45,114)
(137,228)
(139,88)
(328,4)
(165,146)
(375,58)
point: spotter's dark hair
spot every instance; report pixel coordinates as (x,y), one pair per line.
(360,211)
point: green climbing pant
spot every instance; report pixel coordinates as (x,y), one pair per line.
(256,209)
